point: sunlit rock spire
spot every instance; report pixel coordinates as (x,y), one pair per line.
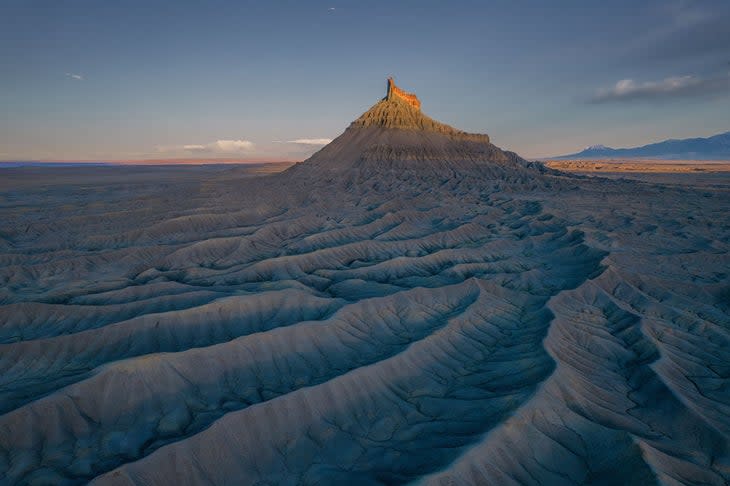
(395,92)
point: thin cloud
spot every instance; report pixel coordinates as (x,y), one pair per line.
(310,141)
(694,30)
(77,77)
(232,145)
(217,147)
(668,88)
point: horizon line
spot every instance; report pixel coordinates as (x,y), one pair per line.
(169,161)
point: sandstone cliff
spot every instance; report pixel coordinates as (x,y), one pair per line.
(395,133)
(401,110)
(395,92)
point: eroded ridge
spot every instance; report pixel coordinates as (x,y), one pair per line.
(405,329)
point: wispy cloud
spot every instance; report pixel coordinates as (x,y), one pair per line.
(77,77)
(217,147)
(310,141)
(668,88)
(688,29)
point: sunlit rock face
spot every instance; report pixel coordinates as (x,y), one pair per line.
(410,305)
(395,92)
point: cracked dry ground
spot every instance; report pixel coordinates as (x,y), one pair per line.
(209,327)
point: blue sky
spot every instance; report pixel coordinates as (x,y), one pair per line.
(97,80)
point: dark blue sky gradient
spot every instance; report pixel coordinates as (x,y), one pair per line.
(539,77)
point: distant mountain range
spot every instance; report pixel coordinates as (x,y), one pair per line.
(716,147)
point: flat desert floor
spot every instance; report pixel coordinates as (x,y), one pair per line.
(704,173)
(225,325)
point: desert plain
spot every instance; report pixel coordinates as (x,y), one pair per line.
(412,305)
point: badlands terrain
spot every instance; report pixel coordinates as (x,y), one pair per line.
(411,305)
